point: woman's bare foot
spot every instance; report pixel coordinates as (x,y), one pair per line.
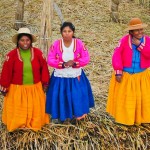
(23,127)
(82,117)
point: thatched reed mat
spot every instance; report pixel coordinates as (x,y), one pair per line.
(93,26)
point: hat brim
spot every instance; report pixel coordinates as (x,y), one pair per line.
(15,37)
(136,27)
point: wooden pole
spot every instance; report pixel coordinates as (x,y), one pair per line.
(46,26)
(114,10)
(19,15)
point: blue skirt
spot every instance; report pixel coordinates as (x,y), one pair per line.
(69,97)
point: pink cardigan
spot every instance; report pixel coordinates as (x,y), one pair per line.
(81,55)
(122,56)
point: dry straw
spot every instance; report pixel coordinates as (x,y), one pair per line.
(91,19)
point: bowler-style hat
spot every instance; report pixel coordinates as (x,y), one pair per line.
(135,23)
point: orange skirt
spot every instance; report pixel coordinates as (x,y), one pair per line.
(24,106)
(129,101)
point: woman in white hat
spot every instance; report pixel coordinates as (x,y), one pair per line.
(129,92)
(24,73)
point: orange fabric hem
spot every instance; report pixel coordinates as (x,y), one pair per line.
(129,101)
(24,105)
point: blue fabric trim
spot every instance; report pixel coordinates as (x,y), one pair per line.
(135,68)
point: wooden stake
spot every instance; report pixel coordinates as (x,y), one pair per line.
(19,15)
(46,26)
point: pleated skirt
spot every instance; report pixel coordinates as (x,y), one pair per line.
(129,101)
(24,106)
(69,97)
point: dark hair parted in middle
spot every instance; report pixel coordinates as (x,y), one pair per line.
(21,35)
(67,24)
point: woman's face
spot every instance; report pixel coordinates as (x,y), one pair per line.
(138,33)
(24,42)
(67,33)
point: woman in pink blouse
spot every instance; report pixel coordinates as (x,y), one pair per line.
(69,95)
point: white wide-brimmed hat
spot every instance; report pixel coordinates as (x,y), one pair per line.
(26,31)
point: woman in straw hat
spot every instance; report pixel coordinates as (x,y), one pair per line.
(69,95)
(129,92)
(24,73)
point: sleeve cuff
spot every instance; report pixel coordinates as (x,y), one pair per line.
(3,89)
(45,84)
(60,64)
(118,72)
(141,46)
(76,64)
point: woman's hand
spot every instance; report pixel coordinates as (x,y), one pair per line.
(119,78)
(136,41)
(69,63)
(3,93)
(45,88)
(3,90)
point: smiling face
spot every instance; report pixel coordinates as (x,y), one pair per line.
(138,33)
(67,33)
(24,42)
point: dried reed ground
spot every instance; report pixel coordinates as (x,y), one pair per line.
(98,131)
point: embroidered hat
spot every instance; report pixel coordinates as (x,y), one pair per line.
(135,23)
(26,31)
